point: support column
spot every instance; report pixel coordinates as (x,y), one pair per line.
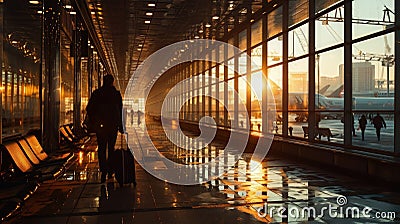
(311,73)
(217,102)
(90,72)
(77,78)
(226,100)
(348,91)
(397,80)
(51,76)
(1,69)
(236,99)
(285,69)
(265,106)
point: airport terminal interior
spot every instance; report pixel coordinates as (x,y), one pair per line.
(236,111)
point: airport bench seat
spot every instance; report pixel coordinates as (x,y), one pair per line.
(319,132)
(70,138)
(24,168)
(42,155)
(306,132)
(27,157)
(325,132)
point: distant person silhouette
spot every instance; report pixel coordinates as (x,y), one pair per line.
(379,123)
(352,125)
(353,130)
(139,117)
(317,119)
(362,123)
(105,108)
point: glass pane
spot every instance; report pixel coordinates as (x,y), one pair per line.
(371,16)
(221,103)
(213,102)
(67,81)
(377,128)
(231,101)
(275,49)
(21,66)
(221,75)
(329,80)
(298,41)
(256,101)
(373,67)
(243,64)
(329,93)
(256,33)
(275,83)
(231,68)
(243,40)
(242,95)
(298,91)
(329,32)
(256,58)
(373,91)
(213,75)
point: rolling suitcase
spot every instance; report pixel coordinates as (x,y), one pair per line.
(124,164)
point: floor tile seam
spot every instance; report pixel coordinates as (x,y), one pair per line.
(236,193)
(79,197)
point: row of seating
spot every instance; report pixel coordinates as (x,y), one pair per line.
(24,164)
(70,138)
(29,160)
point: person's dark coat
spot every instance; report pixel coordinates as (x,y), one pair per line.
(379,122)
(363,122)
(105,108)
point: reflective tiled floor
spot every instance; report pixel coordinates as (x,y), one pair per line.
(280,190)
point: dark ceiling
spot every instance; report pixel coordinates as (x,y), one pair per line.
(131,30)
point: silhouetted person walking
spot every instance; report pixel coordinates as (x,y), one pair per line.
(105,108)
(139,117)
(353,130)
(378,124)
(362,123)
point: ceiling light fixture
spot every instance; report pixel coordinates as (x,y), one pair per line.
(208,25)
(147,21)
(151,5)
(196,37)
(149,13)
(140,45)
(68,6)
(201,31)
(215,17)
(34,2)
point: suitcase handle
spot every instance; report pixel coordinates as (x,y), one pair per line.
(122,141)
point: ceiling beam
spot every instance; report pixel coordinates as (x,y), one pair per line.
(83,9)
